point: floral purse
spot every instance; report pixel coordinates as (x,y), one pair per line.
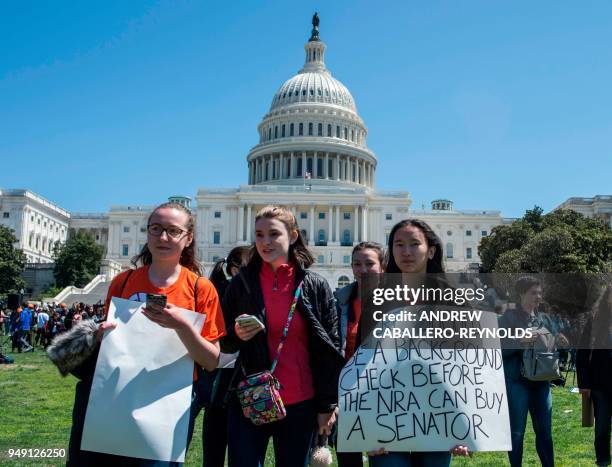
(259,393)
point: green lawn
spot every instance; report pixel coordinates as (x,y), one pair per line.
(37,403)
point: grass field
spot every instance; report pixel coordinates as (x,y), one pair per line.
(37,403)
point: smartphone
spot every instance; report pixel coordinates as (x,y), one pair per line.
(158,300)
(249,320)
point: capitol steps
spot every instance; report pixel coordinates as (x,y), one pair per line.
(92,293)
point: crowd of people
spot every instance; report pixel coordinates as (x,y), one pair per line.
(35,325)
(267,312)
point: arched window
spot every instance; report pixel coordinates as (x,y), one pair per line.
(309,165)
(269,134)
(337,132)
(320,130)
(329,130)
(299,167)
(311,92)
(301,129)
(310,129)
(449,250)
(303,92)
(283,130)
(345,133)
(353,135)
(275,132)
(343,281)
(304,235)
(291,128)
(320,167)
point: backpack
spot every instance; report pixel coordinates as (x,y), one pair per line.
(540,360)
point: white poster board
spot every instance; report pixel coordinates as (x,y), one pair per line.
(141,392)
(410,398)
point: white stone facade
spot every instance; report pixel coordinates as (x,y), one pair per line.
(38,223)
(598,206)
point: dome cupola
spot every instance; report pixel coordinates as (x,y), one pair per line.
(312,130)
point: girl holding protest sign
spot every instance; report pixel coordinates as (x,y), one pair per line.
(414,250)
(169,267)
(282,318)
(366,258)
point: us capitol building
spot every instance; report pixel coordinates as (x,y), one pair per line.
(312,156)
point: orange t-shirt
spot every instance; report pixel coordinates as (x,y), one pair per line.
(138,285)
(353,329)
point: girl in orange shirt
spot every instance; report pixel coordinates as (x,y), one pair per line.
(169,267)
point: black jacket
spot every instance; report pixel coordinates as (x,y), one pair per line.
(594,365)
(317,306)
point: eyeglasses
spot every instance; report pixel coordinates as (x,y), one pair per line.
(157,230)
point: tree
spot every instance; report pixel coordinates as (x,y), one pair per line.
(77,261)
(503,238)
(561,241)
(12,262)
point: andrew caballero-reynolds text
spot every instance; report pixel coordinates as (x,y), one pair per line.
(408,321)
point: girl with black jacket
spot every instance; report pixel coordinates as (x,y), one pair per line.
(310,363)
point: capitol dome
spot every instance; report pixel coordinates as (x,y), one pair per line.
(312,130)
(313,87)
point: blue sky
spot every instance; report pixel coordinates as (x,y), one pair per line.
(495,105)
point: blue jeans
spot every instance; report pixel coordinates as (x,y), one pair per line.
(602,409)
(292,436)
(533,397)
(412,459)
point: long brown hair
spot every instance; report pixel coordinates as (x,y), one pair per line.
(188,256)
(298,251)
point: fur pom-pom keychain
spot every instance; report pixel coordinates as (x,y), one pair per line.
(321,455)
(69,349)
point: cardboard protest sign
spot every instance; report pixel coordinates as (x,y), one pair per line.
(410,396)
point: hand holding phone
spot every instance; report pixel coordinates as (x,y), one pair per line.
(247,321)
(155,302)
(246,326)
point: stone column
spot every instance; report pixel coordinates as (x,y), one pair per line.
(118,238)
(311,239)
(337,167)
(282,167)
(330,236)
(356,225)
(315,165)
(364,223)
(303,164)
(292,165)
(241,223)
(249,227)
(337,224)
(326,174)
